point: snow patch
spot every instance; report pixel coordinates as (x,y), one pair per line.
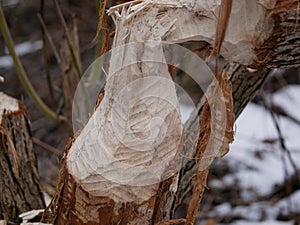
(21,49)
(258,164)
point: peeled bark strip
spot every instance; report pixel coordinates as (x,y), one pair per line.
(19,183)
(212,135)
(93,186)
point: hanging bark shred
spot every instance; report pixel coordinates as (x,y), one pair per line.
(212,120)
(223,19)
(102,29)
(214,135)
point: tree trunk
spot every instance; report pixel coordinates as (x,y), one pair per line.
(260,35)
(19,183)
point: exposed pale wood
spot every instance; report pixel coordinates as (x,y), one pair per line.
(256,39)
(7,103)
(249,24)
(245,84)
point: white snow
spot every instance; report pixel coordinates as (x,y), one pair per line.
(10,3)
(290,204)
(185,110)
(223,209)
(288,99)
(21,49)
(26,47)
(256,159)
(6,62)
(260,173)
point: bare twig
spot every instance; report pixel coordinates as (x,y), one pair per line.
(282,112)
(269,106)
(73,51)
(45,53)
(284,149)
(49,38)
(282,142)
(63,22)
(46,146)
(288,153)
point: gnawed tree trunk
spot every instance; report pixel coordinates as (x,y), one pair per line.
(19,183)
(93,188)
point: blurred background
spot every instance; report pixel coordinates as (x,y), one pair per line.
(256,183)
(44,70)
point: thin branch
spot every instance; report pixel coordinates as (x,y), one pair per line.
(49,38)
(47,147)
(21,72)
(72,51)
(282,142)
(283,152)
(268,105)
(63,22)
(45,51)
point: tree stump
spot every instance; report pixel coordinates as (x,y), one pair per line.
(19,183)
